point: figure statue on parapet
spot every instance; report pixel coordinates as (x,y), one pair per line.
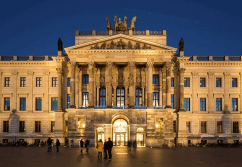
(119,25)
(181,45)
(60,45)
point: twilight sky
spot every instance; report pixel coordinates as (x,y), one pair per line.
(208,27)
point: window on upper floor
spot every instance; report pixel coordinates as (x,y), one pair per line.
(102,97)
(22,81)
(38,103)
(172,82)
(85,79)
(7,82)
(85,99)
(68,100)
(202,82)
(234,82)
(22,103)
(6,103)
(155,98)
(120,97)
(38,81)
(54,103)
(172,100)
(138,97)
(218,82)
(202,104)
(186,82)
(187,104)
(54,81)
(68,82)
(234,104)
(218,104)
(156,79)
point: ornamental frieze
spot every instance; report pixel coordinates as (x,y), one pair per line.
(120,44)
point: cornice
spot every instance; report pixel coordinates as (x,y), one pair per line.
(225,63)
(24,63)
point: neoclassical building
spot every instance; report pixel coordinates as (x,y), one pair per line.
(123,84)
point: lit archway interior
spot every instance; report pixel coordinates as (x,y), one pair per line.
(120,132)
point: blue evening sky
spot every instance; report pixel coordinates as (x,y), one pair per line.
(209,27)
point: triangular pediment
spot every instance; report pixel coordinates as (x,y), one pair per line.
(120,42)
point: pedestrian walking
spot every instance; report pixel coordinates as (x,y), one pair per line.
(49,142)
(129,145)
(109,146)
(99,149)
(81,144)
(87,145)
(105,149)
(57,145)
(135,145)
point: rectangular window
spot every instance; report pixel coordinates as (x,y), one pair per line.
(38,103)
(218,82)
(22,103)
(22,81)
(155,98)
(6,103)
(172,82)
(68,100)
(68,82)
(174,126)
(219,127)
(172,100)
(21,126)
(138,97)
(186,82)
(54,81)
(234,104)
(187,104)
(188,125)
(234,82)
(203,126)
(102,97)
(218,104)
(120,97)
(85,99)
(37,126)
(38,81)
(5,126)
(52,126)
(202,82)
(7,82)
(54,103)
(156,79)
(235,127)
(202,104)
(85,79)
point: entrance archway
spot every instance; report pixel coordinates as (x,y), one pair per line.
(120,132)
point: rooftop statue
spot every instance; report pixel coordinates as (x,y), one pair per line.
(108,24)
(132,27)
(181,45)
(60,45)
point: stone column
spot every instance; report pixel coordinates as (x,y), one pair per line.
(160,87)
(131,85)
(109,84)
(227,100)
(163,86)
(143,95)
(91,84)
(149,83)
(126,95)
(80,87)
(211,106)
(115,95)
(168,84)
(59,87)
(181,73)
(98,90)
(72,100)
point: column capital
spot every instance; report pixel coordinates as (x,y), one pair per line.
(150,63)
(226,74)
(131,63)
(72,63)
(182,70)
(210,74)
(109,63)
(59,70)
(194,74)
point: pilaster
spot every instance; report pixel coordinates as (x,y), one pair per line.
(72,89)
(150,64)
(181,73)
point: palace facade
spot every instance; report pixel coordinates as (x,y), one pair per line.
(126,85)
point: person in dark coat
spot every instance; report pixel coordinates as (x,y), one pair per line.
(135,145)
(81,144)
(87,145)
(129,145)
(109,146)
(105,149)
(49,142)
(57,145)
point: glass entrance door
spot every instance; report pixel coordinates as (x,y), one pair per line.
(140,139)
(120,139)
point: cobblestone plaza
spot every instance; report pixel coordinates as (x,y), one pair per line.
(144,157)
